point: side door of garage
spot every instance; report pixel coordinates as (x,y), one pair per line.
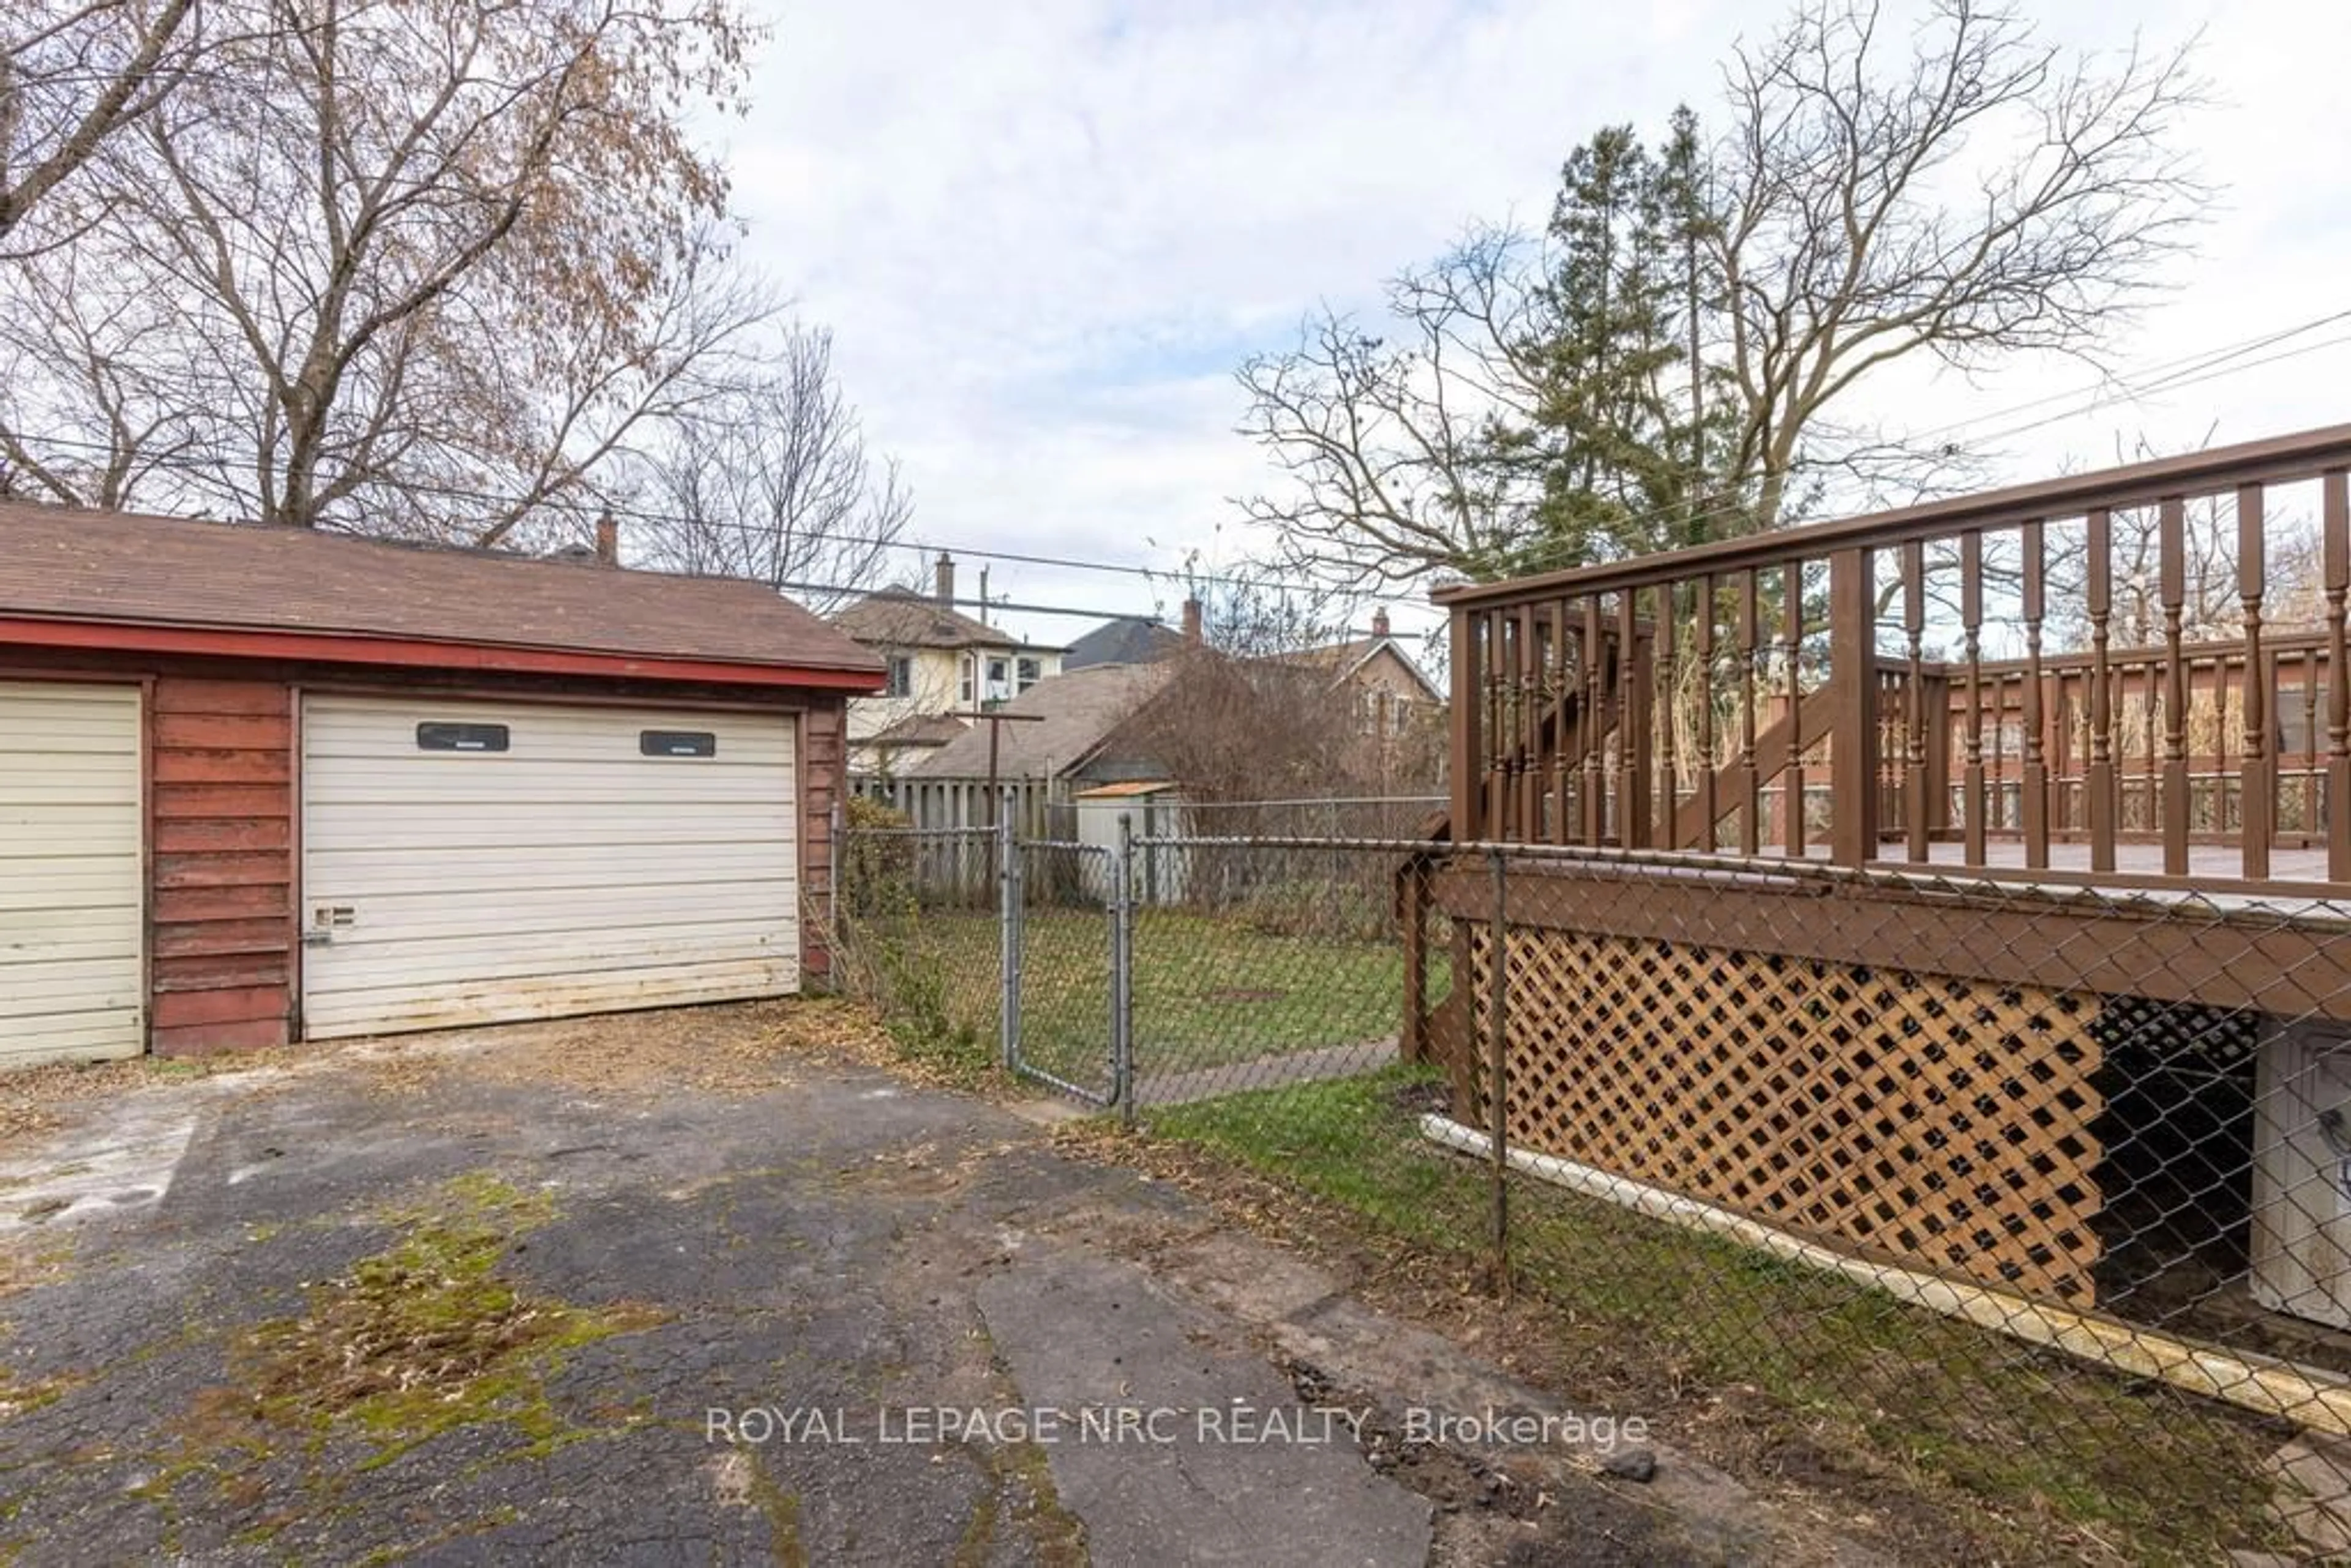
(469,863)
(72,873)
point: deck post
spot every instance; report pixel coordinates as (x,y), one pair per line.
(1852,672)
(1468,689)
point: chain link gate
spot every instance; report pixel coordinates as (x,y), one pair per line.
(1066,1003)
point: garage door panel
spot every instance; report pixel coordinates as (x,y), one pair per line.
(446,963)
(533,826)
(567,874)
(612,990)
(561,913)
(80,1035)
(363,729)
(72,919)
(468,783)
(395,872)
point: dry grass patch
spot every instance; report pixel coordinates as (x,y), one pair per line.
(744,1048)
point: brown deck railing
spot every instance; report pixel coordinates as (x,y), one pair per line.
(1831,688)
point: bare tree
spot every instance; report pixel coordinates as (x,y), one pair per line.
(1865,218)
(429,268)
(771,480)
(1389,435)
(1963,193)
(74,73)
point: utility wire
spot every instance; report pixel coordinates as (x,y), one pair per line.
(2188,370)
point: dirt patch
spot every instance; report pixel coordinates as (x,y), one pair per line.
(36,1100)
(745,1048)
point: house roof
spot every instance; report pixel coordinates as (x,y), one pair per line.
(1126,792)
(1077,712)
(1127,639)
(1343,659)
(923,730)
(900,618)
(175,584)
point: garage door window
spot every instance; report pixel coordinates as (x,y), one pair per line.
(677,743)
(461,738)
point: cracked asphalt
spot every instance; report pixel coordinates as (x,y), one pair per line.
(839,1296)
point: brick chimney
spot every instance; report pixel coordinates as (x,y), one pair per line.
(1380,621)
(943,579)
(608,541)
(1192,622)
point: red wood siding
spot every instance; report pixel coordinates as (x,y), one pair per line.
(222,793)
(824,764)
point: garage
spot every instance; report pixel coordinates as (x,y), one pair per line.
(72,912)
(475,862)
(259,785)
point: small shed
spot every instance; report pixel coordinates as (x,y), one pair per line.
(264,784)
(1154,808)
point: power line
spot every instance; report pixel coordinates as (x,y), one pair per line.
(2193,370)
(2210,365)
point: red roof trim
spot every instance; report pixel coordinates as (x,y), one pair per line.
(343,648)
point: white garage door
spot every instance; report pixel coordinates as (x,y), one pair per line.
(467,862)
(72,871)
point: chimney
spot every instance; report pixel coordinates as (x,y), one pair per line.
(1192,621)
(608,541)
(1380,621)
(942,576)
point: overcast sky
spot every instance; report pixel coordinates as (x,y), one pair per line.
(1044,231)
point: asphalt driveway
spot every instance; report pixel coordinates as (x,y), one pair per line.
(697,1286)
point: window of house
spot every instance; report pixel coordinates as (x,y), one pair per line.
(902,677)
(1029,672)
(999,680)
(964,689)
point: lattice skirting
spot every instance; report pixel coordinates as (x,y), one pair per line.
(1944,1120)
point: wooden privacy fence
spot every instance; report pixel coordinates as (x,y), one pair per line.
(1040,807)
(2089,677)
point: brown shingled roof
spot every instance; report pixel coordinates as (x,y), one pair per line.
(900,618)
(60,563)
(1077,712)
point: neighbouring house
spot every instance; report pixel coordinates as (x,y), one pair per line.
(261,785)
(1072,726)
(1393,699)
(936,661)
(1127,640)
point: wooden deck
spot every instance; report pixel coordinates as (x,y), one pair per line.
(2177,717)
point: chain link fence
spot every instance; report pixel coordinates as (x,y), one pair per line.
(2032,1205)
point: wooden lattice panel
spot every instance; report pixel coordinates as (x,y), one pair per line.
(1942,1120)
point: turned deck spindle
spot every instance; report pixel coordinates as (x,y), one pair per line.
(1750,786)
(2171,588)
(1972,775)
(2098,779)
(2335,531)
(1596,662)
(1914,759)
(1792,642)
(2258,808)
(1708,811)
(2034,771)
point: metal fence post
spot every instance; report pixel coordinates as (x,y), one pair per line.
(838,833)
(1010,909)
(1498,1069)
(1122,972)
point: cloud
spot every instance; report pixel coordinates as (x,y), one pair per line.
(1043,232)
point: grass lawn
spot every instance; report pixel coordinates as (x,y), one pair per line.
(1208,992)
(1960,1415)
